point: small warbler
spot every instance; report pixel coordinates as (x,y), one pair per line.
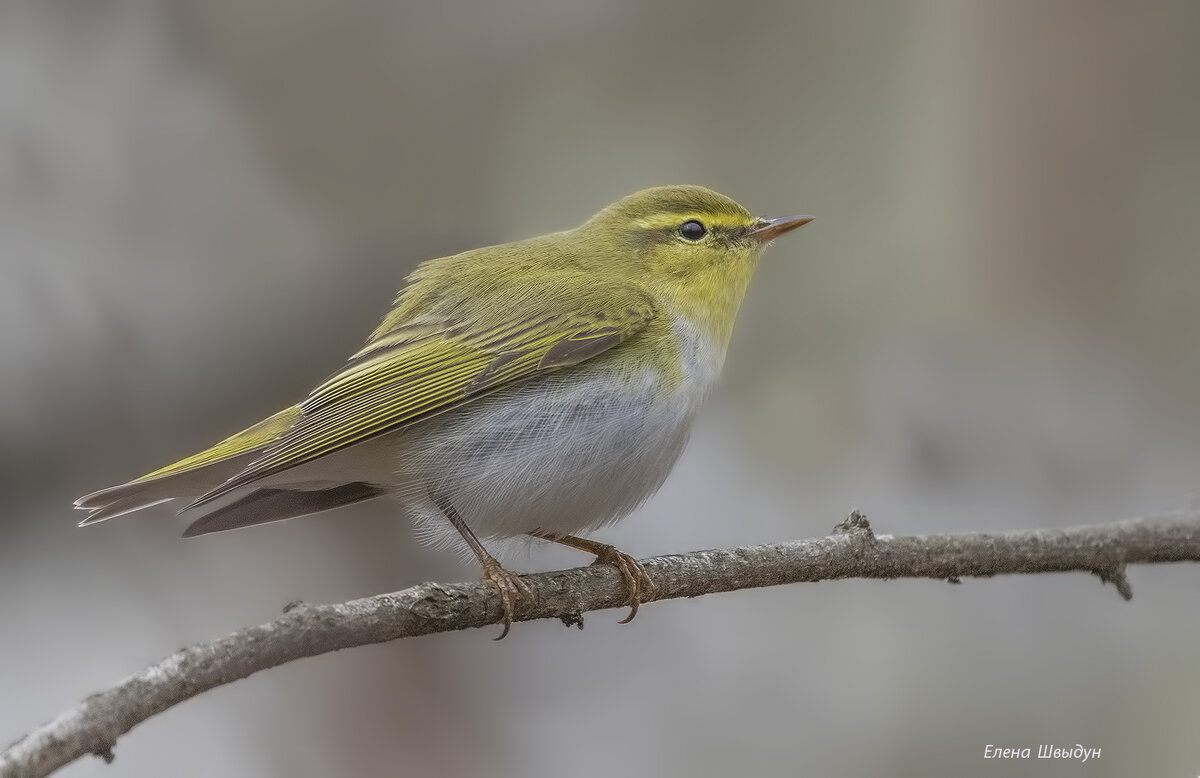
(544,387)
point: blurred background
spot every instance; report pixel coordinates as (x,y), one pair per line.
(992,325)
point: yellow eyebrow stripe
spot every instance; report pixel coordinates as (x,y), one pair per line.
(671,221)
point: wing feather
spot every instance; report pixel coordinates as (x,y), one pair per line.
(427,366)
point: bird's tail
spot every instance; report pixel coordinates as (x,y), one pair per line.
(188,477)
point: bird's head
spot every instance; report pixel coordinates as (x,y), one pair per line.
(693,248)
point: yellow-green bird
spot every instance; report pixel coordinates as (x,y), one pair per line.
(544,387)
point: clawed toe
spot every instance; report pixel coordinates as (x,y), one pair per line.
(637,581)
(511,588)
(640,587)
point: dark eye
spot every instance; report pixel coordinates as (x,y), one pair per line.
(692,230)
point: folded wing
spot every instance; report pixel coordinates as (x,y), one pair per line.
(439,360)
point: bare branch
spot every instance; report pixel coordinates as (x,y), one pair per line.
(853,551)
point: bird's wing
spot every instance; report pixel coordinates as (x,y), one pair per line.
(433,363)
(244,442)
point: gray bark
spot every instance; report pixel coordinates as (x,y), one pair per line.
(853,551)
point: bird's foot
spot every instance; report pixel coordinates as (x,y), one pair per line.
(512,589)
(638,582)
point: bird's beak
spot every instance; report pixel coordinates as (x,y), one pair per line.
(766,230)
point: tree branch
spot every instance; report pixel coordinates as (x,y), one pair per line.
(853,551)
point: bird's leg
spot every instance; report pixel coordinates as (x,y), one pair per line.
(636,580)
(511,587)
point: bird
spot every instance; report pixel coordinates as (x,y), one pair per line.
(544,388)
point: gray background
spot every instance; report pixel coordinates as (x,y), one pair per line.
(205,206)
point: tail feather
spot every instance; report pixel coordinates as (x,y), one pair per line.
(119,508)
(188,477)
(135,495)
(263,506)
(245,507)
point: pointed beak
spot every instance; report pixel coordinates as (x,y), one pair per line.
(766,230)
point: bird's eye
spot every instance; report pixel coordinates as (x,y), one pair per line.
(692,230)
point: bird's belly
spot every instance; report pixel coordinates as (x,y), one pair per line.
(564,455)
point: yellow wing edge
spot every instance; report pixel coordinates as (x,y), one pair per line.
(250,439)
(398,400)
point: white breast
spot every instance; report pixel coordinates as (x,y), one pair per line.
(567,454)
